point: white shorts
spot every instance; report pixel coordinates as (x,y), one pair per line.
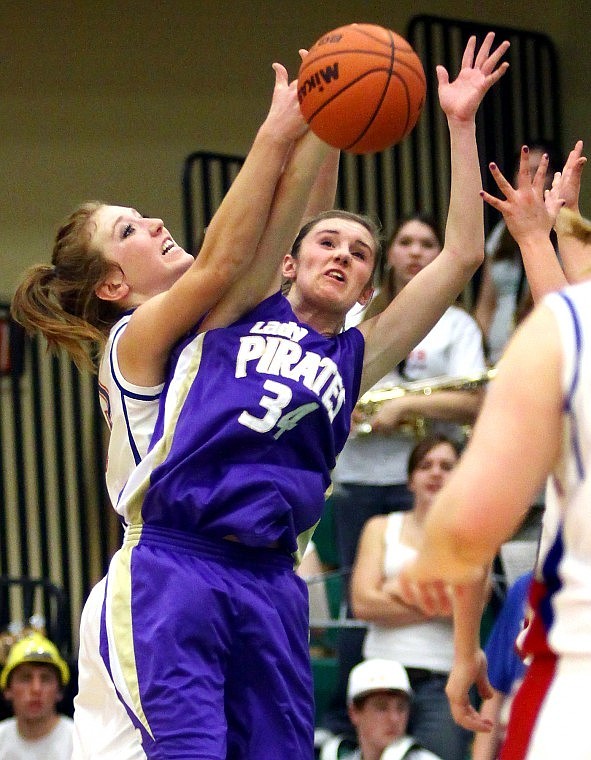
(102,728)
(562,728)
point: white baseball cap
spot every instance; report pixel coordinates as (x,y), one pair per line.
(377,675)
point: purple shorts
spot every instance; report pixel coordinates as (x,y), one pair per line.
(207,644)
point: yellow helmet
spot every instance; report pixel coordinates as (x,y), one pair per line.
(34,648)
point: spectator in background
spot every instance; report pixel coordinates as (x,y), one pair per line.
(504,296)
(378,698)
(32,680)
(505,669)
(397,631)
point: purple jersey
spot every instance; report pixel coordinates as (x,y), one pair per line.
(250,424)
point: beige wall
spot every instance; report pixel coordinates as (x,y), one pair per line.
(105,100)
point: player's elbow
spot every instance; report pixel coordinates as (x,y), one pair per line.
(458,550)
(468,257)
(473,257)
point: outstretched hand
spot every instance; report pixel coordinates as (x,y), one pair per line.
(461,678)
(460,99)
(569,180)
(284,116)
(527,208)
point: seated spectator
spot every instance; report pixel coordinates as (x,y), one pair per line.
(397,631)
(32,680)
(505,669)
(378,699)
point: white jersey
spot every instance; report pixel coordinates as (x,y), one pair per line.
(57,745)
(453,347)
(130,411)
(566,540)
(561,590)
(102,727)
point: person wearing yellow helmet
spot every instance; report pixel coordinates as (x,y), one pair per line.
(32,680)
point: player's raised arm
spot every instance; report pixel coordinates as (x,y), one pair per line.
(309,158)
(229,246)
(530,214)
(570,228)
(391,335)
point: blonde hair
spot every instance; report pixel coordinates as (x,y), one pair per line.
(59,300)
(573,224)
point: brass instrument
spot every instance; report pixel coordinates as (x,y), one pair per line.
(371,401)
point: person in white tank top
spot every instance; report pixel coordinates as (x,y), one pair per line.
(423,644)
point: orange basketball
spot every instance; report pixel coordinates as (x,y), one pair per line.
(361,88)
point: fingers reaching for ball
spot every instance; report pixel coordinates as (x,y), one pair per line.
(284,118)
(480,69)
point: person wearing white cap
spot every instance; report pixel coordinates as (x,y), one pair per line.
(32,680)
(378,699)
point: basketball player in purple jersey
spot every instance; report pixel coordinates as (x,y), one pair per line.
(205,627)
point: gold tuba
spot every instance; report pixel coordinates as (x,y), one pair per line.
(371,401)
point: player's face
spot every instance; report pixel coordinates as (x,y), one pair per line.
(335,264)
(34,690)
(143,248)
(432,472)
(414,246)
(381,719)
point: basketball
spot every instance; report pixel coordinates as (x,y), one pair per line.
(361,88)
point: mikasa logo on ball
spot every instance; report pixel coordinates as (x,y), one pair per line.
(329,38)
(318,79)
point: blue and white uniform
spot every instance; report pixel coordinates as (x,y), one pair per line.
(549,718)
(130,411)
(207,639)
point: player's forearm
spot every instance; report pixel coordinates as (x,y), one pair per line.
(235,231)
(263,276)
(468,604)
(323,193)
(450,551)
(543,271)
(287,211)
(464,231)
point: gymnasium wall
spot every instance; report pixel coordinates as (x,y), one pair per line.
(104,100)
